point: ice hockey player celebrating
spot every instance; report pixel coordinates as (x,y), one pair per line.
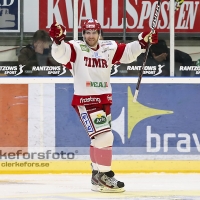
(90,62)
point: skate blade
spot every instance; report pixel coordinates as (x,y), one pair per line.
(102,189)
(95,188)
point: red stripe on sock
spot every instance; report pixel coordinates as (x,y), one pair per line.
(92,154)
(103,156)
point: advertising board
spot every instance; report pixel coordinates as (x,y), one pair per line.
(139,15)
(162,126)
(9,15)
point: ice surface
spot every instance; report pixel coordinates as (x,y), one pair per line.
(150,186)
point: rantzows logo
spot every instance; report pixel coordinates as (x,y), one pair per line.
(115,68)
(196,69)
(20,70)
(45,70)
(159,70)
(12,70)
(50,70)
(151,70)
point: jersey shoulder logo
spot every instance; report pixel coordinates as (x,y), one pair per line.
(106,42)
(84,48)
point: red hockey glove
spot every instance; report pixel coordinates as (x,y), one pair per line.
(57,32)
(144,37)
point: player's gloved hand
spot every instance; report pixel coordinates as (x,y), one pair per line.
(178,4)
(144,37)
(57,32)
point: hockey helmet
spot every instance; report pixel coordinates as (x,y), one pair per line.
(91,24)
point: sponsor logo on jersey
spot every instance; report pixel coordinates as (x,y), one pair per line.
(94,62)
(90,100)
(96,55)
(104,43)
(86,121)
(190,68)
(96,84)
(84,48)
(100,119)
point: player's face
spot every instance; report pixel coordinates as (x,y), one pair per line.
(91,38)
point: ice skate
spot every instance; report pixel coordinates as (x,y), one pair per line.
(105,182)
(94,181)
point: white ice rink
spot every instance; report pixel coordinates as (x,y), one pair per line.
(152,186)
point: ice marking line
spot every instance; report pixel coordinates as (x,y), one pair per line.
(170,195)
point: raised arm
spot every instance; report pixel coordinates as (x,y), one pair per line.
(127,53)
(61,51)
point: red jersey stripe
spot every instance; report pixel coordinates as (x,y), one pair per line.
(68,65)
(119,52)
(73,53)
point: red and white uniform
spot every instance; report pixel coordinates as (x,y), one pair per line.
(92,98)
(91,68)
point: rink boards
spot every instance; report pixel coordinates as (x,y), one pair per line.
(159,133)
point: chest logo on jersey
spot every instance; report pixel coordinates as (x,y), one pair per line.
(96,84)
(96,55)
(84,48)
(95,62)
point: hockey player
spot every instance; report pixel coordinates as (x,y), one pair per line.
(90,62)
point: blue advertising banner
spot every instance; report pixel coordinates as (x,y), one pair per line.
(164,121)
(9,15)
(158,133)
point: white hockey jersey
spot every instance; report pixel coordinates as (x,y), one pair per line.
(91,68)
